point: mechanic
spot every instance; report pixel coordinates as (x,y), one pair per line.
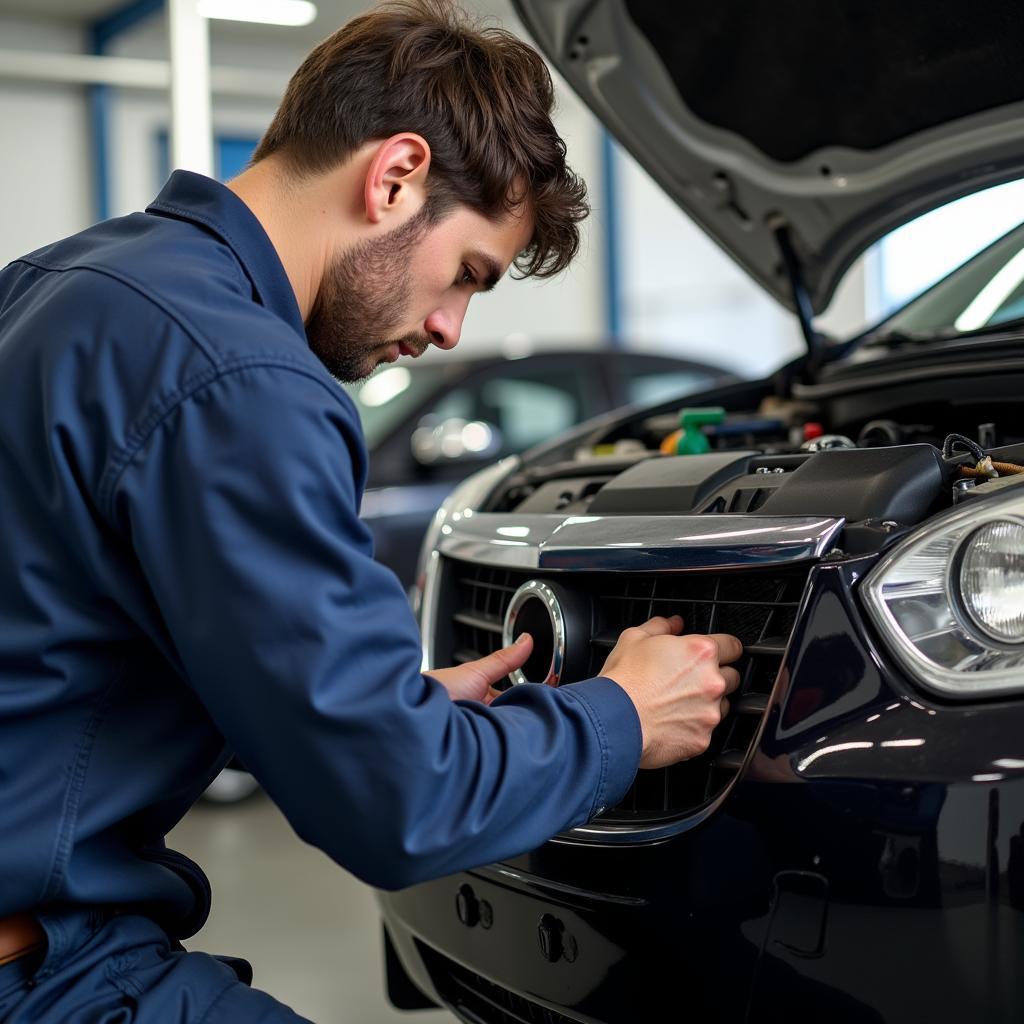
(182,567)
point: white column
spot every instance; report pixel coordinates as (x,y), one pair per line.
(191,129)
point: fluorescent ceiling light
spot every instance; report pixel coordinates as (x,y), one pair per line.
(267,12)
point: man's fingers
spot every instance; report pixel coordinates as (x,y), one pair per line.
(732,679)
(725,706)
(660,626)
(729,648)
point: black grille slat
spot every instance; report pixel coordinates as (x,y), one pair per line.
(759,606)
(488,623)
(773,648)
(751,704)
(730,760)
(715,615)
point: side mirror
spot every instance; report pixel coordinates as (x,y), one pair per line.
(442,442)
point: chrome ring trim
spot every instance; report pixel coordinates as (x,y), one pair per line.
(530,591)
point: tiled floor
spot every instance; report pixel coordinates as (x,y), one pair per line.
(310,930)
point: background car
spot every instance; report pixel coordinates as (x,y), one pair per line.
(431,424)
(851,846)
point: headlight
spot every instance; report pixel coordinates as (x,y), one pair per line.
(992,580)
(950,599)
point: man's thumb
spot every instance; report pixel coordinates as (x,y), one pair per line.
(499,664)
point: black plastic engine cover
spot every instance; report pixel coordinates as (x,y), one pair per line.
(900,483)
(676,484)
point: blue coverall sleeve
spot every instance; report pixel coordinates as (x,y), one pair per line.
(240,504)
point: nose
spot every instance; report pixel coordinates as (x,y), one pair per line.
(444,325)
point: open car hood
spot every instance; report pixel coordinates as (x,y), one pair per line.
(797,133)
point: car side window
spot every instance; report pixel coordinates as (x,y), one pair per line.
(526,408)
(456,404)
(650,387)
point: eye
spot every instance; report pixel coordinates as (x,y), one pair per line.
(466,276)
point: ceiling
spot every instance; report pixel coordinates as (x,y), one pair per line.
(330,15)
(76,10)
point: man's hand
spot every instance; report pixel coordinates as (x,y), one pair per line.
(678,685)
(475,680)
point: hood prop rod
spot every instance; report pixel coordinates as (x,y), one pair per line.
(801,298)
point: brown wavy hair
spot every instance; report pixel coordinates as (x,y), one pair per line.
(480,97)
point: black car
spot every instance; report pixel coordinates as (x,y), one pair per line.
(851,846)
(428,427)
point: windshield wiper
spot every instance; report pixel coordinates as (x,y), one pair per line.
(898,338)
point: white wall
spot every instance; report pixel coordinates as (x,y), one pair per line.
(681,293)
(45,168)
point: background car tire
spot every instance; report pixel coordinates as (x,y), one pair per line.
(231,787)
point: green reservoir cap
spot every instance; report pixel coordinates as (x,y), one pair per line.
(693,441)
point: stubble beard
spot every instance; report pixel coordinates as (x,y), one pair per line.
(363,296)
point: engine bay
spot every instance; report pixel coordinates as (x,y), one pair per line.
(780,457)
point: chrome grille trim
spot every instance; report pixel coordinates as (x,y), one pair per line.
(659,547)
(638,543)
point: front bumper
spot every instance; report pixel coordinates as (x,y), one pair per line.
(866,865)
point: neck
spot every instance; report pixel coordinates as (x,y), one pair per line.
(296,223)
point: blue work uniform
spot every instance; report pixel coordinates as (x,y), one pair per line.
(183,573)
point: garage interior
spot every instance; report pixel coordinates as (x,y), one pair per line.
(101,99)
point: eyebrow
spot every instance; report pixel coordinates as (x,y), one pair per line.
(492,270)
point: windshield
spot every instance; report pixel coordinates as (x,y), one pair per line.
(983,294)
(390,395)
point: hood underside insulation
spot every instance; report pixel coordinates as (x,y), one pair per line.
(792,77)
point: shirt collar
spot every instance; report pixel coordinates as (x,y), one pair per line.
(194,197)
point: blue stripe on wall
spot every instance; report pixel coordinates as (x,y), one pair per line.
(101,34)
(612,241)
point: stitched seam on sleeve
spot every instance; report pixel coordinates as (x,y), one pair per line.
(120,461)
(603,741)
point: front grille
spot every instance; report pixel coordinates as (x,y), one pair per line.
(758,606)
(475,999)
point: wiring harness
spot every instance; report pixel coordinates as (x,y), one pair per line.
(984,467)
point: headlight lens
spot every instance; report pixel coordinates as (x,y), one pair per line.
(992,580)
(950,599)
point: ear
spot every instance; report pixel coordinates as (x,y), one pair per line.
(396,179)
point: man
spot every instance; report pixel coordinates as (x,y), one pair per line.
(182,568)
